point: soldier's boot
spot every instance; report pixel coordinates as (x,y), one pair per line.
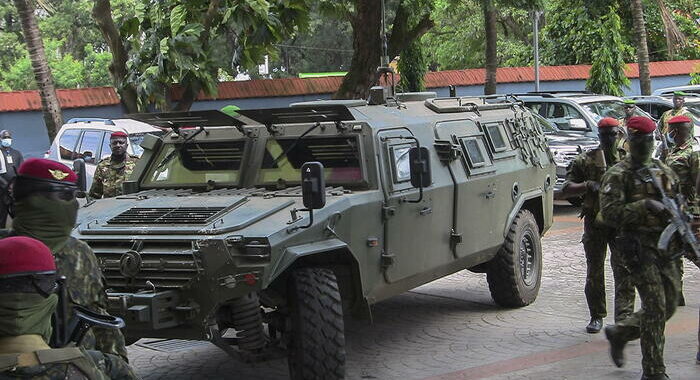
(595,325)
(658,376)
(617,346)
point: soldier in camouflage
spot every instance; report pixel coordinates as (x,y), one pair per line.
(27,302)
(583,178)
(45,208)
(684,159)
(113,170)
(678,109)
(629,199)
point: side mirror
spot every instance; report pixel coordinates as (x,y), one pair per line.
(79,169)
(313,185)
(419,159)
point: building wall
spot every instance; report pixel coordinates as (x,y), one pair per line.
(30,137)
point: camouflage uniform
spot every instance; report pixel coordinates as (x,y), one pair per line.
(109,177)
(666,116)
(685,162)
(86,287)
(54,364)
(596,238)
(622,203)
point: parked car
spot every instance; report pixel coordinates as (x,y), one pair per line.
(575,111)
(565,146)
(691,89)
(88,138)
(656,105)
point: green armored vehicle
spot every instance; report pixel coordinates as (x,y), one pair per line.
(220,236)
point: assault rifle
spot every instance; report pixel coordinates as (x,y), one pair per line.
(680,224)
(69,329)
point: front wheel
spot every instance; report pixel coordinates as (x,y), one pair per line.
(317,347)
(515,273)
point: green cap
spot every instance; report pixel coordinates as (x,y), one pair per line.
(230,110)
(629,101)
(679,93)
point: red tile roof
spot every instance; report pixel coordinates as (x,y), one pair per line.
(103,96)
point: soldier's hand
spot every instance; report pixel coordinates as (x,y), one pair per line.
(655,207)
(593,186)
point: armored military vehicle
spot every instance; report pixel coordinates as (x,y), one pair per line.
(221,235)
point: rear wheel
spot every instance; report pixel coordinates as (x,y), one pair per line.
(515,273)
(317,346)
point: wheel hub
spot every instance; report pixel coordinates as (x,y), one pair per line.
(526,257)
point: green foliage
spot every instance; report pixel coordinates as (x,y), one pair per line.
(686,14)
(177,42)
(695,75)
(607,74)
(412,67)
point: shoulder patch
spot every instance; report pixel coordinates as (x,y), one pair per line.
(607,188)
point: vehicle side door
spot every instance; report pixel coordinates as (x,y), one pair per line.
(89,149)
(67,146)
(416,232)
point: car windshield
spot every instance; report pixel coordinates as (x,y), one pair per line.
(136,139)
(196,164)
(609,108)
(283,158)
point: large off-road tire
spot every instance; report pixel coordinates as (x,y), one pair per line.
(514,274)
(317,346)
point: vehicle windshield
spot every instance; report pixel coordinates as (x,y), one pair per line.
(609,108)
(340,157)
(196,164)
(136,139)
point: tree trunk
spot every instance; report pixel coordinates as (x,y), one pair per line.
(366,57)
(640,34)
(491,39)
(44,80)
(102,13)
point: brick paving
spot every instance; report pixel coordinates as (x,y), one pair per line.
(451,329)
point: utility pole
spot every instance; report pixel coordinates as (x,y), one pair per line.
(536,47)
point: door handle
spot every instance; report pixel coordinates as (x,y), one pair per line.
(425,211)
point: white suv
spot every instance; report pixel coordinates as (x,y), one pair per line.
(88,138)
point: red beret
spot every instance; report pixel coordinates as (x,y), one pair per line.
(608,122)
(118,134)
(641,124)
(43,169)
(23,255)
(679,119)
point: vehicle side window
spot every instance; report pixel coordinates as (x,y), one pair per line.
(106,151)
(538,108)
(656,110)
(67,142)
(497,137)
(400,163)
(475,158)
(562,114)
(89,145)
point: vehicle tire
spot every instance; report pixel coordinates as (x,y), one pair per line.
(515,273)
(576,201)
(317,340)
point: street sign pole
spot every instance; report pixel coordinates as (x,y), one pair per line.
(536,48)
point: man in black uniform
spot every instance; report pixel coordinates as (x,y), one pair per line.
(10,160)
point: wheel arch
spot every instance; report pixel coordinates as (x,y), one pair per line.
(531,201)
(333,254)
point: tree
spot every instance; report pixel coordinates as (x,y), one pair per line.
(366,19)
(412,67)
(491,37)
(640,34)
(49,100)
(607,74)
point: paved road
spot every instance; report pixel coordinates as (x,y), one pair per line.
(451,329)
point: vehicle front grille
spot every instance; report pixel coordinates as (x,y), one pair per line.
(166,264)
(167,215)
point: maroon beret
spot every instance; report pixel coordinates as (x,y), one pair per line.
(679,119)
(641,124)
(47,170)
(608,122)
(118,134)
(21,255)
